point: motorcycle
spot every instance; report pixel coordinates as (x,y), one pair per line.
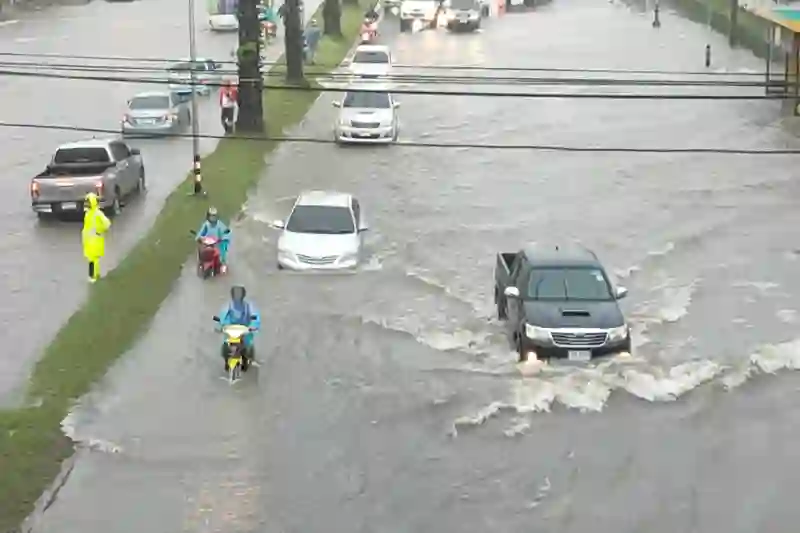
(237,360)
(209,262)
(369,31)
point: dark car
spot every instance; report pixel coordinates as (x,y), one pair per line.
(559,303)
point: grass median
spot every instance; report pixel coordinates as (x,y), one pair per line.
(120,307)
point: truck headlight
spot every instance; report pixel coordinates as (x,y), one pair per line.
(618,334)
(536,333)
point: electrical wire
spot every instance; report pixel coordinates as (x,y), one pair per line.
(496,94)
(415,144)
(416,78)
(410,66)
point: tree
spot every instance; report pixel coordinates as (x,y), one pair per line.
(293,40)
(332,17)
(251,84)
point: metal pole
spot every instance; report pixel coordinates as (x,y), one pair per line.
(198,180)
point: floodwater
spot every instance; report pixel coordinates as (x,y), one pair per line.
(390,401)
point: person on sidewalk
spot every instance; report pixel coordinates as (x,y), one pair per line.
(228,100)
(95,225)
(312,36)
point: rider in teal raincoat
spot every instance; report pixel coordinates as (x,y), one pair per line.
(242,312)
(214,227)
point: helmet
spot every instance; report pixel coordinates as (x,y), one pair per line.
(91,200)
(211,214)
(238,293)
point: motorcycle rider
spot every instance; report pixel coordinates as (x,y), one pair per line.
(228,98)
(214,227)
(241,311)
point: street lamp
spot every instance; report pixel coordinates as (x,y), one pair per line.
(198,180)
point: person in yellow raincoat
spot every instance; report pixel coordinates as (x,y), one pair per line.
(95,224)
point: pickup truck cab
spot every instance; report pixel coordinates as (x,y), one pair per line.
(109,168)
(558,303)
(425,11)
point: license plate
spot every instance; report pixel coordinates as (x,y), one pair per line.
(69,205)
(579,355)
(148,121)
(233,361)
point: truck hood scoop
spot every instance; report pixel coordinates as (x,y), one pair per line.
(574,312)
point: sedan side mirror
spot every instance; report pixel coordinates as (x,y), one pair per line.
(396,105)
(622,292)
(346,63)
(336,104)
(136,151)
(511,292)
(363,228)
(278,224)
(215,318)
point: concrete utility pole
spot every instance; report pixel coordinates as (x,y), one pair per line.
(656,18)
(198,178)
(734,22)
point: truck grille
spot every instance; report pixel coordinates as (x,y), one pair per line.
(579,340)
(327,260)
(366,125)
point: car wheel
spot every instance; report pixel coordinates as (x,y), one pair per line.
(404,26)
(116,206)
(280,266)
(141,185)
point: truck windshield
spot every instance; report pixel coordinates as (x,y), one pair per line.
(321,219)
(93,154)
(559,283)
(463,4)
(367,100)
(150,102)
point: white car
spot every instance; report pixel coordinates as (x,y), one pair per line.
(367,117)
(421,11)
(223,22)
(324,231)
(371,61)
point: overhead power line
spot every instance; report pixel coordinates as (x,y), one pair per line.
(414,78)
(362,88)
(458,145)
(409,66)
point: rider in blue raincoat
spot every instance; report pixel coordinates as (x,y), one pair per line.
(242,312)
(214,227)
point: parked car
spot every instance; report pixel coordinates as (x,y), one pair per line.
(156,113)
(367,117)
(323,232)
(559,303)
(206,74)
(109,168)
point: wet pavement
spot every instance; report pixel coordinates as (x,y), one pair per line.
(40,258)
(389,400)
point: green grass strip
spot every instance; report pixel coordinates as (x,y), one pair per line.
(120,307)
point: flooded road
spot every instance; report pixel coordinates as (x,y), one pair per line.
(390,401)
(38,259)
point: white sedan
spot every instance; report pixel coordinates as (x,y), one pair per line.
(370,61)
(324,231)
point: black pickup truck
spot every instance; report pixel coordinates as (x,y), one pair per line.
(559,303)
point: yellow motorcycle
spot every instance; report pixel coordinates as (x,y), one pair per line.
(235,358)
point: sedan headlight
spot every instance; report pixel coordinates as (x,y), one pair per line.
(618,334)
(537,333)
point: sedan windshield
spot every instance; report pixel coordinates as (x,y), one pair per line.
(186,67)
(150,102)
(568,284)
(371,57)
(367,100)
(326,220)
(463,4)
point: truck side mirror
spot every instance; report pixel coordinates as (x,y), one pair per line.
(622,292)
(511,292)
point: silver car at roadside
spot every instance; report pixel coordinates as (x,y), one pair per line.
(324,231)
(155,113)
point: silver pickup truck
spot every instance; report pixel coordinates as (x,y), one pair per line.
(109,168)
